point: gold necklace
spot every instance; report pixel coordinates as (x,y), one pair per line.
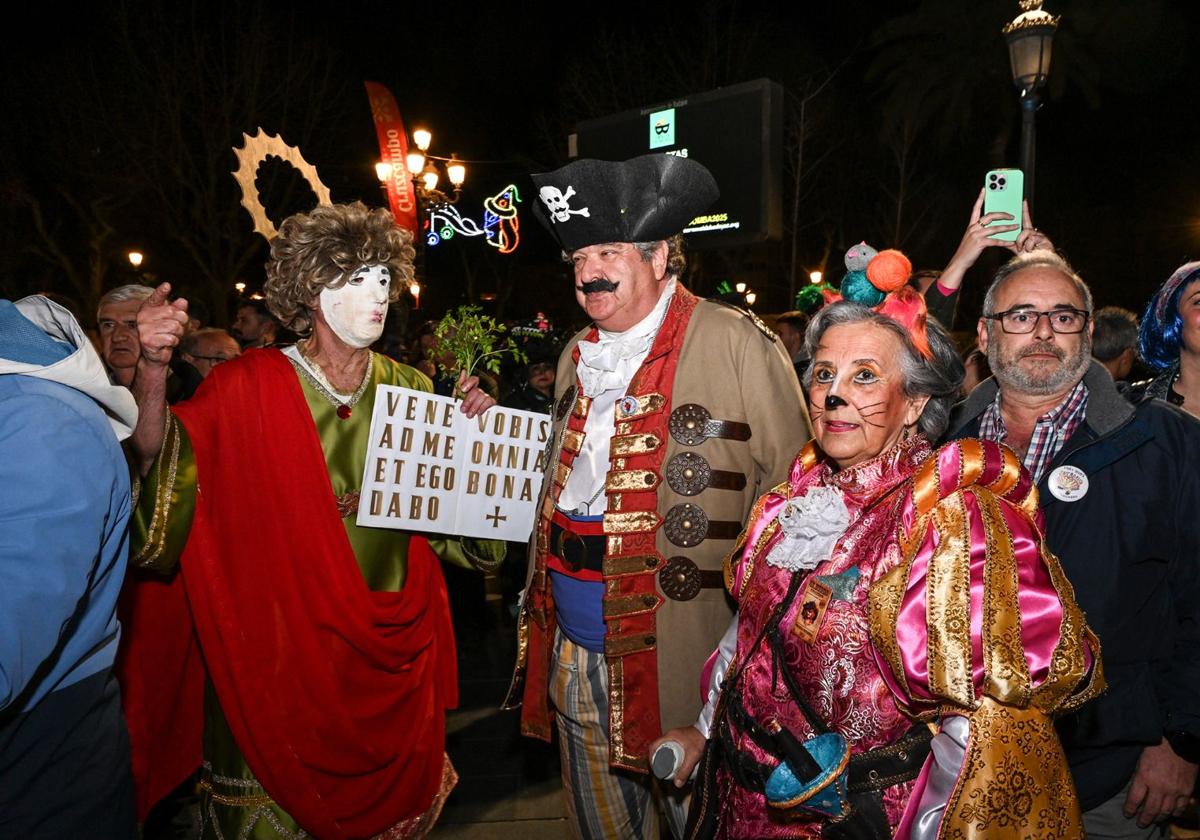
(316,377)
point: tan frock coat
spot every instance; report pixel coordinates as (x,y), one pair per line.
(732,365)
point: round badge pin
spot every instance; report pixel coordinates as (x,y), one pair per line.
(629,405)
(1068,484)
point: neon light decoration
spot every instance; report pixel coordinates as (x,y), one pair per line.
(501,227)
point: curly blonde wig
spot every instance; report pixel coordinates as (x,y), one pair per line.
(320,250)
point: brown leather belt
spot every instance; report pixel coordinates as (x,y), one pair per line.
(688,473)
(692,424)
(687,525)
(577,551)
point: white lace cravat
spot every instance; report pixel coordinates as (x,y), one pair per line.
(611,361)
(811,525)
(605,369)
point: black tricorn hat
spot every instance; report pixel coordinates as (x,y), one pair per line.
(645,199)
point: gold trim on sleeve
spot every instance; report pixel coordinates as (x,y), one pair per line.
(631,480)
(1006,672)
(631,522)
(639,444)
(948,606)
(156,534)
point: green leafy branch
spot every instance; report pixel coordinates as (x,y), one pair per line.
(472,341)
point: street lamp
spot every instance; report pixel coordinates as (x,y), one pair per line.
(815,276)
(423,167)
(1030,37)
(135,258)
(456,172)
(425,172)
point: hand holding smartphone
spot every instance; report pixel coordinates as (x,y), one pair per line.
(1003,192)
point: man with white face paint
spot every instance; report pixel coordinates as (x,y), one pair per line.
(355,310)
(322,651)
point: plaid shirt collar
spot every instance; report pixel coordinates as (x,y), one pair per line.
(1051,431)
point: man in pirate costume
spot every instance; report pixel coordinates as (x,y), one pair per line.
(671,414)
(307,660)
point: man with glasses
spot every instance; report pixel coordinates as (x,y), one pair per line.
(206,348)
(1120,490)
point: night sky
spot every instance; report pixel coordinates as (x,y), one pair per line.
(93,98)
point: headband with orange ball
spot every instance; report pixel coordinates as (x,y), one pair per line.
(879,279)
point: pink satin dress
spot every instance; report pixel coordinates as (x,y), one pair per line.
(883,649)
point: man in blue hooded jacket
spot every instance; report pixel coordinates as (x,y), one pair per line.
(64,511)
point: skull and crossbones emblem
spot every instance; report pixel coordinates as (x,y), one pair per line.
(558,203)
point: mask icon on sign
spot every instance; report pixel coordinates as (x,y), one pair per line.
(662,128)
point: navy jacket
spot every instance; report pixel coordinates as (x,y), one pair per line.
(1131,549)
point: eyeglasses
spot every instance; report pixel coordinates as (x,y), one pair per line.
(1064,320)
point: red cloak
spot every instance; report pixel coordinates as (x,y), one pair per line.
(334,693)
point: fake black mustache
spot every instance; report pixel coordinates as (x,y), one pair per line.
(598,285)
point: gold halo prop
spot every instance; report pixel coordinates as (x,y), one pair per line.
(257,148)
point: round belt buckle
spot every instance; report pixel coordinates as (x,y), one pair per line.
(687,424)
(688,473)
(680,579)
(686,525)
(566,538)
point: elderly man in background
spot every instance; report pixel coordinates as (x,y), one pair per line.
(120,347)
(116,319)
(208,347)
(64,515)
(671,415)
(1120,491)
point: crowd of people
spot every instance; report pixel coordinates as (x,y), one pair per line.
(840,577)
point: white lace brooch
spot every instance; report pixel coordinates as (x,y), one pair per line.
(811,525)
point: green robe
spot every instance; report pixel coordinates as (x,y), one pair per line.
(233,804)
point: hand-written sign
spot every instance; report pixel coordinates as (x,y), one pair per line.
(430,468)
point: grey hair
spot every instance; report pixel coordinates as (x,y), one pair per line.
(1114,331)
(676,259)
(1035,259)
(190,342)
(938,378)
(121,294)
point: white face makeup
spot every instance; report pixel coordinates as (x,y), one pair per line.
(356,311)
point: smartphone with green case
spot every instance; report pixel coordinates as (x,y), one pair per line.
(1003,190)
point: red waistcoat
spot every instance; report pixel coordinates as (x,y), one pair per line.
(631,560)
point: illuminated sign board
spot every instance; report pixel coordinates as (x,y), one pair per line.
(736,131)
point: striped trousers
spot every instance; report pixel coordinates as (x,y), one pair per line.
(603,803)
